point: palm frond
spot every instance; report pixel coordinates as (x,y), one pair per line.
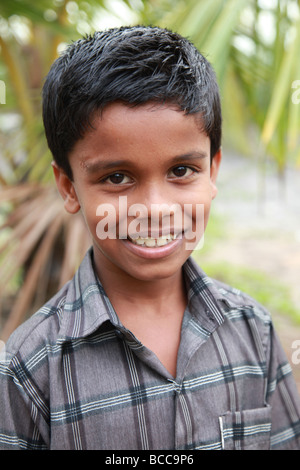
(43,242)
(43,245)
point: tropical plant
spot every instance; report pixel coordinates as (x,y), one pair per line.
(40,245)
(253,46)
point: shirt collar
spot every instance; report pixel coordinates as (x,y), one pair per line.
(87,306)
(205,301)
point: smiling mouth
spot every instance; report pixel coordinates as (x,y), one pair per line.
(152,242)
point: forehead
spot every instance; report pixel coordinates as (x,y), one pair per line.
(149,131)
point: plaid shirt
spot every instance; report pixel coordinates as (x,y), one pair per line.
(72,377)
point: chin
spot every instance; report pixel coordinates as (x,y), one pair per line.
(155,272)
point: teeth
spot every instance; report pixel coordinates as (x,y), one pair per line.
(151,242)
(161,242)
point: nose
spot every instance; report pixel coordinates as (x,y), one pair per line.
(157,209)
(154,194)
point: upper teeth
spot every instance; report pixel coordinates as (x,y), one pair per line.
(152,242)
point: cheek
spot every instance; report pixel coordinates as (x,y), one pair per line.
(201,210)
(107,222)
(203,197)
(99,218)
(110,221)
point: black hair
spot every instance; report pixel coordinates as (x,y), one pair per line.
(135,65)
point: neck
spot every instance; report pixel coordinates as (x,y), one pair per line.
(152,295)
(139,292)
(151,309)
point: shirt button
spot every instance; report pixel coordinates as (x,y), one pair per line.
(210,315)
(176,386)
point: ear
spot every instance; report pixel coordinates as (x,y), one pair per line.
(66,188)
(214,170)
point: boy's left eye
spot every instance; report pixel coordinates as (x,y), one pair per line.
(117,178)
(181,171)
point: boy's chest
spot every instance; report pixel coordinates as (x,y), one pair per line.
(162,338)
(114,393)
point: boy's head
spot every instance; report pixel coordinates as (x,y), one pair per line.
(132,117)
(134,65)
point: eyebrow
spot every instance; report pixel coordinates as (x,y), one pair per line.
(102,166)
(110,165)
(189,156)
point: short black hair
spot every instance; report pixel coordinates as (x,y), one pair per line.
(134,64)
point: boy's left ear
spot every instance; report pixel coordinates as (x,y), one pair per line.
(66,188)
(214,170)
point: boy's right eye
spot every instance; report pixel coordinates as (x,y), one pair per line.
(117,178)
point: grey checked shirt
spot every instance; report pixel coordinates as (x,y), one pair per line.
(72,377)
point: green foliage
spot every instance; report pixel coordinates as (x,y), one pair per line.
(254,50)
(252,47)
(265,289)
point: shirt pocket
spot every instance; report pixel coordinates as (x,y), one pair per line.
(246,429)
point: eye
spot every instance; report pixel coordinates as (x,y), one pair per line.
(117,178)
(181,171)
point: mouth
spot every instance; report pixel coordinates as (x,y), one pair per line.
(157,247)
(151,242)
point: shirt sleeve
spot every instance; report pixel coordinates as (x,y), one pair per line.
(283,397)
(21,421)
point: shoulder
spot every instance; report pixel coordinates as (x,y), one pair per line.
(250,320)
(232,299)
(74,311)
(50,322)
(41,328)
(239,301)
(238,315)
(24,361)
(242,315)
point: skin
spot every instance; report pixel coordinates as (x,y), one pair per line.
(152,155)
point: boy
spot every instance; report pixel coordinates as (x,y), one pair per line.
(140,350)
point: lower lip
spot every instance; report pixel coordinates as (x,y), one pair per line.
(153,253)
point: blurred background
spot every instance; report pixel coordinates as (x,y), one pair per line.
(253,237)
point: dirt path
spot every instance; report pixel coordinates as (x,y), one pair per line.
(263,237)
(278,257)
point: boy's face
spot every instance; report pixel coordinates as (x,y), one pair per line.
(151,155)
